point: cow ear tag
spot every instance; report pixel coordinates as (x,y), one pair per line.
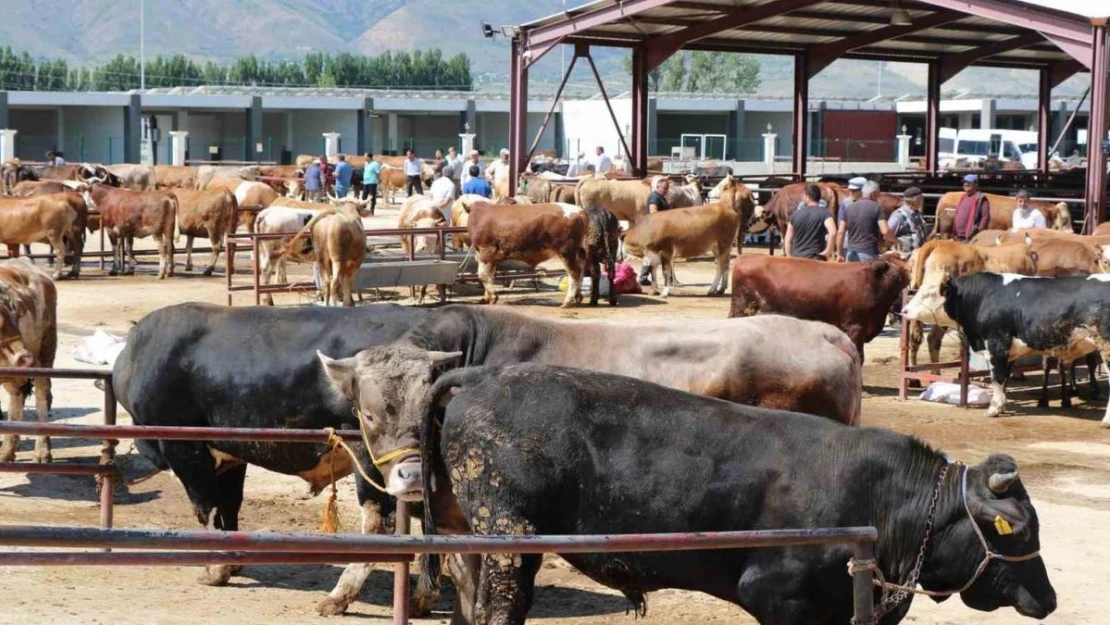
(1002,526)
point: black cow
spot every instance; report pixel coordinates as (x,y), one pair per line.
(202,365)
(1010,316)
(534,449)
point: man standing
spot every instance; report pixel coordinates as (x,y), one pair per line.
(906,223)
(474,160)
(864,224)
(973,212)
(498,171)
(811,231)
(855,192)
(343,173)
(603,164)
(476,184)
(314,182)
(443,191)
(412,173)
(1026,216)
(455,162)
(577,167)
(656,202)
(371,176)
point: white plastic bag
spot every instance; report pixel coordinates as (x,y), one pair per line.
(949,393)
(101,348)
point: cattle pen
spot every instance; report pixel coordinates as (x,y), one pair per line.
(160,547)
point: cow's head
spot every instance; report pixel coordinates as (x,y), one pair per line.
(389,387)
(998,506)
(1062,220)
(13,351)
(930,303)
(426,242)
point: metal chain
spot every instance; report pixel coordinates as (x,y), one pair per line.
(891,600)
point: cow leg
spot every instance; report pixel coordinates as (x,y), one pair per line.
(573,260)
(506,588)
(1043,401)
(131,250)
(117,251)
(266,271)
(1065,389)
(1092,375)
(465,571)
(59,252)
(936,337)
(373,522)
(348,282)
(189,253)
(16,398)
(217,247)
(127,245)
(229,487)
(486,272)
(76,248)
(42,410)
(720,281)
(668,274)
(1000,375)
(336,285)
(594,266)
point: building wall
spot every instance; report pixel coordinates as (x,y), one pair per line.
(309,128)
(493,133)
(587,125)
(755,126)
(427,133)
(93,133)
(37,132)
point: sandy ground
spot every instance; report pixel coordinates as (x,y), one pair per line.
(1062,454)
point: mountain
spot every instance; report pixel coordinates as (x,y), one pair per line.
(85,31)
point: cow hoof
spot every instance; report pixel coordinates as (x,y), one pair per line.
(1065,405)
(993,413)
(215,576)
(113,272)
(1042,403)
(1105,423)
(665,293)
(208,272)
(331,606)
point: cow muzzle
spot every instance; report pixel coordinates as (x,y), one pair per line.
(928,308)
(406,480)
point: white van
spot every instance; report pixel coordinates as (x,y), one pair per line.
(974,145)
(946,146)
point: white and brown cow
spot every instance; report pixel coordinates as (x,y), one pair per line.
(532,233)
(28,338)
(127,214)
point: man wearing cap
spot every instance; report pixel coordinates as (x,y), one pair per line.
(855,192)
(906,223)
(474,160)
(1026,216)
(973,212)
(862,226)
(498,171)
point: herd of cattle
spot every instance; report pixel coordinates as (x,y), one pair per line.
(492,422)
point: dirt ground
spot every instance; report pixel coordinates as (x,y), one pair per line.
(1062,454)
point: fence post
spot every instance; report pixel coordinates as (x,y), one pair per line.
(254,268)
(863,594)
(230,245)
(401,570)
(107,456)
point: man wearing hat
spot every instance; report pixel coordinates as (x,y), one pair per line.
(973,212)
(862,226)
(473,160)
(855,192)
(906,223)
(498,171)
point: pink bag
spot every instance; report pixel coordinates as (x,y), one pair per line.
(625,280)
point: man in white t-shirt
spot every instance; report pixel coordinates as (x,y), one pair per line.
(473,159)
(498,171)
(577,166)
(443,190)
(1026,216)
(602,164)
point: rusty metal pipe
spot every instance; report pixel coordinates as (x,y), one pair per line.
(149,432)
(401,570)
(863,591)
(58,469)
(79,537)
(46,372)
(186,558)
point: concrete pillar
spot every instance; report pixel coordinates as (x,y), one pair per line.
(60,127)
(987,117)
(769,151)
(736,131)
(560,135)
(5,113)
(133,129)
(467,143)
(178,141)
(469,118)
(393,143)
(7,144)
(331,144)
(289,134)
(253,139)
(903,153)
(366,126)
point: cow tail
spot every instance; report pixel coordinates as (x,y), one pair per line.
(305,230)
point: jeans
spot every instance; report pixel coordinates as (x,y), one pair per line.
(370,191)
(855,257)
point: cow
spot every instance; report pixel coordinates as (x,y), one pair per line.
(175,177)
(627,199)
(127,214)
(340,245)
(1007,316)
(1057,215)
(274,253)
(14,172)
(83,172)
(184,365)
(207,214)
(419,212)
(250,196)
(1102,229)
(854,297)
(940,259)
(531,233)
(208,173)
(33,188)
(52,219)
(661,237)
(134,177)
(502,447)
(28,338)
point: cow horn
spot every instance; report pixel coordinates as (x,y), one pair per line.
(1000,483)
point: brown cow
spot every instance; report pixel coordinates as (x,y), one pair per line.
(532,233)
(134,177)
(854,297)
(661,237)
(34,188)
(205,213)
(249,195)
(83,172)
(175,177)
(14,172)
(44,219)
(28,338)
(1056,215)
(776,213)
(127,214)
(339,246)
(419,212)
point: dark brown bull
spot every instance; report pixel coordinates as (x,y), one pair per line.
(127,214)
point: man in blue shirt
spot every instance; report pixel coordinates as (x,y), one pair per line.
(371,175)
(343,173)
(477,185)
(313,182)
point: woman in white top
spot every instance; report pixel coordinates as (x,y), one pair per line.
(1026,216)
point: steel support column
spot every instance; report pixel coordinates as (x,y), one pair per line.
(518,114)
(639,112)
(801,114)
(1044,119)
(133,129)
(253,129)
(932,121)
(1096,160)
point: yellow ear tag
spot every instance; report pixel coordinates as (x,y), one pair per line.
(1002,526)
